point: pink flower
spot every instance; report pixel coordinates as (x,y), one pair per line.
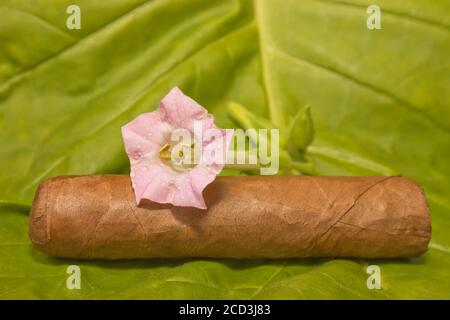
(148,140)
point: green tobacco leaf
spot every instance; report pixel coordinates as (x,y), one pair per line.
(380,104)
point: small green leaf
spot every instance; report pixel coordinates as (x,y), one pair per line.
(291,162)
(300,133)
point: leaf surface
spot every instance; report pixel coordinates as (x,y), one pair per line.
(379,102)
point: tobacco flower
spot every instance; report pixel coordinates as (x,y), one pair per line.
(148,143)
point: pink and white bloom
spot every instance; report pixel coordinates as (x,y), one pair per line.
(147,136)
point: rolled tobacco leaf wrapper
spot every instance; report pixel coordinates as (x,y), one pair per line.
(96,217)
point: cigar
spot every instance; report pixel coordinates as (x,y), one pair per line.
(96,217)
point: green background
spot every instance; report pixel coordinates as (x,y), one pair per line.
(379,99)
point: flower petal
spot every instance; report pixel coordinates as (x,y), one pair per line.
(144,135)
(181,111)
(188,194)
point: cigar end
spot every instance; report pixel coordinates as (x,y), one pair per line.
(38,222)
(423,223)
